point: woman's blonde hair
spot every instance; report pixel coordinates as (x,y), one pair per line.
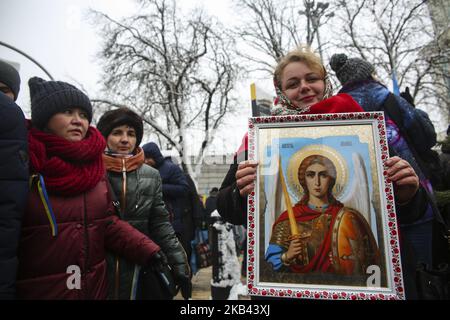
(301,54)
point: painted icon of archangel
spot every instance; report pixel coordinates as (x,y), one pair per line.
(321,221)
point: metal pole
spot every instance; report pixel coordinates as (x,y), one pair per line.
(27,56)
(318,38)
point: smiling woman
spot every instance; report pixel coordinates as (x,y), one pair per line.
(302,85)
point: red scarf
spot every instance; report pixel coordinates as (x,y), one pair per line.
(68,168)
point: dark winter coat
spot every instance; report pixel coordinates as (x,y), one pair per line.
(87,226)
(13,190)
(194,206)
(443,193)
(192,216)
(174,184)
(211,204)
(445,163)
(230,205)
(146,212)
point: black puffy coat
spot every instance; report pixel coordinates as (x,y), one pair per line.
(175,187)
(13,190)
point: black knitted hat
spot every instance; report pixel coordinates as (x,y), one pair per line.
(119,117)
(10,77)
(51,97)
(350,70)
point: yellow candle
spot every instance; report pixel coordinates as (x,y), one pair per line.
(287,201)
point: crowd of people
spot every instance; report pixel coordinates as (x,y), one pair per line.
(90,205)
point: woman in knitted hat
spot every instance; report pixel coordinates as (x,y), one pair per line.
(69,218)
(138,188)
(302,87)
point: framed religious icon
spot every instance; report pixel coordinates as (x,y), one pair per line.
(321,221)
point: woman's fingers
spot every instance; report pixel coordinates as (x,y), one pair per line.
(245,177)
(405,179)
(245,172)
(408,181)
(395,164)
(245,191)
(245,166)
(402,173)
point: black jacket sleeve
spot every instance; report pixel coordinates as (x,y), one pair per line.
(161,231)
(414,209)
(230,205)
(13,190)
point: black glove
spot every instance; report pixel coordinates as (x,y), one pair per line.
(158,262)
(159,266)
(407,96)
(182,276)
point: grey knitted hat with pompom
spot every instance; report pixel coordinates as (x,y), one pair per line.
(350,70)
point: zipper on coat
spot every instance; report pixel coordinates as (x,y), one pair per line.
(124,187)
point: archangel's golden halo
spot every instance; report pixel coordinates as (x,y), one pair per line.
(325,151)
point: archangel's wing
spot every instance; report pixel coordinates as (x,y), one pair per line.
(358,196)
(274,197)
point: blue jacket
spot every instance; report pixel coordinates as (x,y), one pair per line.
(13,190)
(371,95)
(174,184)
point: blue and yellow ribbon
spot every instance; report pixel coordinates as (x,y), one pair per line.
(46,202)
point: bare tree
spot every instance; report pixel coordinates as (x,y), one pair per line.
(271,28)
(397,37)
(174,71)
(439,53)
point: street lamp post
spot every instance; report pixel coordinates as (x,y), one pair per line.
(313,13)
(315,22)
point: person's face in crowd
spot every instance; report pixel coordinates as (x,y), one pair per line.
(317,180)
(122,140)
(71,124)
(301,85)
(150,161)
(6,90)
